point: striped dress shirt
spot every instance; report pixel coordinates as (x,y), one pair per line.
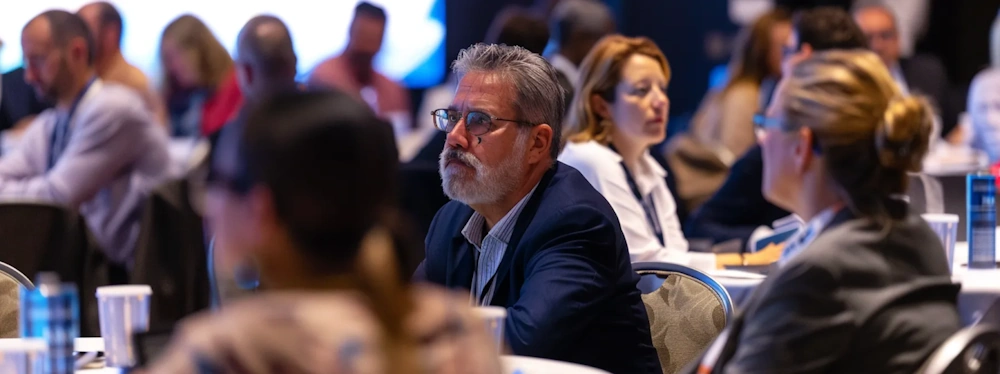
(490,249)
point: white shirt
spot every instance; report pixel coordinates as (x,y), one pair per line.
(897,75)
(602,168)
(565,66)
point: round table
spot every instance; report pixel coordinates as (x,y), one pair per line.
(533,365)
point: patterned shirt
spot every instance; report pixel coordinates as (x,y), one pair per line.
(490,249)
(327,332)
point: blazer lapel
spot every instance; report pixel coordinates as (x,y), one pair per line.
(527,214)
(461,261)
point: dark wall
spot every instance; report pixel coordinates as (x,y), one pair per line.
(468,20)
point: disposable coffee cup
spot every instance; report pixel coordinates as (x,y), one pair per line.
(124,312)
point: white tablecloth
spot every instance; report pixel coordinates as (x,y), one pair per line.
(532,365)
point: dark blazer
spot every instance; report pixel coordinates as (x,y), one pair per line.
(18,99)
(859,299)
(738,207)
(565,277)
(925,75)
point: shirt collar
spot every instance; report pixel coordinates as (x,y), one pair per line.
(502,231)
(807,234)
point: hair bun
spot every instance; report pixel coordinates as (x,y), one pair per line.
(902,137)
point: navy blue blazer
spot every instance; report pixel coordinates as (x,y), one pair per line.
(565,278)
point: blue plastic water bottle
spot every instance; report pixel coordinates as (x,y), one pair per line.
(982,220)
(52,312)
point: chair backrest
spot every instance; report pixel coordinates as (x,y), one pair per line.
(16,275)
(37,237)
(925,194)
(10,307)
(687,311)
(974,349)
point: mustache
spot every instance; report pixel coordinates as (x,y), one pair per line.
(452,154)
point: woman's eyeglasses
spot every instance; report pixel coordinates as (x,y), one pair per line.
(476,123)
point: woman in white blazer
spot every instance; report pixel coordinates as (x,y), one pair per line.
(619,112)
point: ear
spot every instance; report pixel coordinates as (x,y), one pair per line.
(600,106)
(540,143)
(263,216)
(804,149)
(78,49)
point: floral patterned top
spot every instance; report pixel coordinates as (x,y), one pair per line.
(332,332)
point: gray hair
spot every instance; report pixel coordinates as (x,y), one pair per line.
(586,17)
(539,95)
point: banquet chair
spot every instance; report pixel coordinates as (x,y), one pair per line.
(41,237)
(686,311)
(974,349)
(11,282)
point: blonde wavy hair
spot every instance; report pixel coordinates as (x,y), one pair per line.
(869,133)
(211,58)
(600,73)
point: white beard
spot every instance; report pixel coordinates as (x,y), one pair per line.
(486,185)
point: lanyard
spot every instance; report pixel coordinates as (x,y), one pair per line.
(61,133)
(647,203)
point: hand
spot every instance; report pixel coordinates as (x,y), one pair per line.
(770,254)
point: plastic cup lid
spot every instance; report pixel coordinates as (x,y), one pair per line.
(491,312)
(938,217)
(22,345)
(124,290)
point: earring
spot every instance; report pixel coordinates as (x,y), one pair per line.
(247,274)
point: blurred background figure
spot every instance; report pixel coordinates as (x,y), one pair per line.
(575,26)
(199,83)
(18,106)
(99,150)
(513,26)
(722,129)
(919,74)
(106,26)
(984,113)
(352,70)
(306,189)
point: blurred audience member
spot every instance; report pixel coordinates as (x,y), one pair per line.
(984,113)
(18,106)
(526,232)
(722,129)
(619,114)
(266,67)
(200,85)
(576,25)
(513,26)
(739,209)
(306,189)
(353,71)
(866,287)
(106,26)
(922,74)
(99,150)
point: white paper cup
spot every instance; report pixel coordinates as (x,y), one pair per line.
(124,311)
(22,356)
(946,228)
(494,317)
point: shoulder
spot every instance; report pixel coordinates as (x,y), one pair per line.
(742,90)
(923,64)
(115,100)
(569,200)
(589,157)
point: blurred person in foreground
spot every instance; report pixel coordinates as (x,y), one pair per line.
(200,86)
(620,113)
(920,74)
(99,150)
(266,67)
(307,190)
(867,288)
(738,211)
(526,232)
(107,27)
(722,129)
(353,71)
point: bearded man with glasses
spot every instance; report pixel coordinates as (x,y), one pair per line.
(526,232)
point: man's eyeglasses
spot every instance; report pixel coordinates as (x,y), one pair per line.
(476,123)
